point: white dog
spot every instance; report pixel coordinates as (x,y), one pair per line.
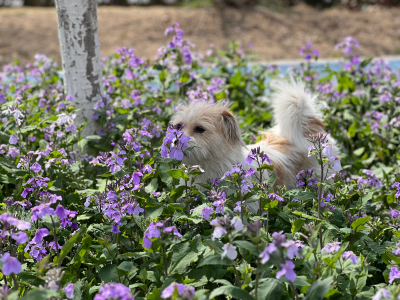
(215,133)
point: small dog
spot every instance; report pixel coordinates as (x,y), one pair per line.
(215,133)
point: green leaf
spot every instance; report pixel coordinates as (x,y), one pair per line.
(28,128)
(178,174)
(357,224)
(296,226)
(234,291)
(270,289)
(359,151)
(271,180)
(125,266)
(236,79)
(178,206)
(215,260)
(246,245)
(307,196)
(40,294)
(176,193)
(319,289)
(109,273)
(67,248)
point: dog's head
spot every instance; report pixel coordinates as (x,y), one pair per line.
(213,129)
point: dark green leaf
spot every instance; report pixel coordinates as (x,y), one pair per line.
(66,248)
(234,291)
(270,289)
(319,289)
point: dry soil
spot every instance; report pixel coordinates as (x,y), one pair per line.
(26,31)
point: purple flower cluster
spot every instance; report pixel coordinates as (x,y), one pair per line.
(224,224)
(289,249)
(115,204)
(370,180)
(14,228)
(178,43)
(308,53)
(397,186)
(174,142)
(331,247)
(114,291)
(156,230)
(274,196)
(305,178)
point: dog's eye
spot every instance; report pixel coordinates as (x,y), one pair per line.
(178,126)
(199,129)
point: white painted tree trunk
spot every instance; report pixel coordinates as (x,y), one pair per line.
(80,51)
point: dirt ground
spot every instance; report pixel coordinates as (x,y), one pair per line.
(27,31)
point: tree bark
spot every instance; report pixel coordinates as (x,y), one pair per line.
(80,52)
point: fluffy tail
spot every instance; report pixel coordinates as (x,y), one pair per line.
(296,116)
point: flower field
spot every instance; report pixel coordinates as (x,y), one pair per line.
(116,215)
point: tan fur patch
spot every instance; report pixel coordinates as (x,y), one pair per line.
(314,127)
(275,142)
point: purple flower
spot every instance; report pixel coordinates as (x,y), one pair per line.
(110,291)
(292,248)
(115,229)
(274,196)
(69,291)
(397,251)
(310,149)
(238,207)
(246,186)
(393,274)
(39,235)
(41,211)
(229,251)
(36,167)
(271,248)
(174,230)
(237,223)
(279,238)
(394,213)
(180,289)
(336,163)
(381,293)
(13,139)
(219,231)
(287,270)
(331,247)
(11,264)
(174,142)
(219,206)
(20,237)
(351,255)
(147,242)
(206,212)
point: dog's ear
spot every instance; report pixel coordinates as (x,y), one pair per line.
(231,127)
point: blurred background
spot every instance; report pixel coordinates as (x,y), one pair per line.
(274,29)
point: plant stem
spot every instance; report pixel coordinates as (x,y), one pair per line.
(294,290)
(15,287)
(320,192)
(267,223)
(237,277)
(165,261)
(258,274)
(55,237)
